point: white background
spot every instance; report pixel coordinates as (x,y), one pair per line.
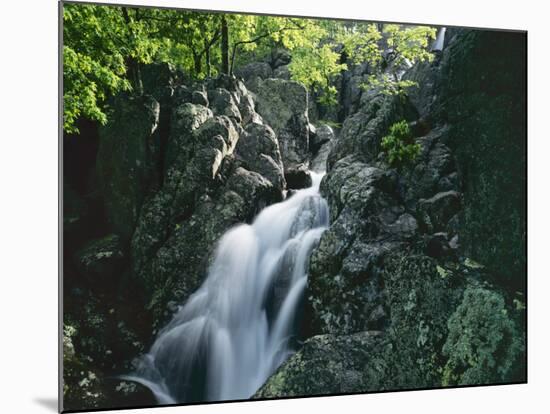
(28,205)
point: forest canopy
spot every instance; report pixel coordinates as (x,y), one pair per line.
(105,46)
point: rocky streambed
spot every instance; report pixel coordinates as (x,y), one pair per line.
(418,281)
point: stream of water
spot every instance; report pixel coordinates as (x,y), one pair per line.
(242,323)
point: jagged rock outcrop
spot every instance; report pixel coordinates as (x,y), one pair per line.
(392,265)
(418,282)
(176,168)
(218,172)
(329,364)
(477,89)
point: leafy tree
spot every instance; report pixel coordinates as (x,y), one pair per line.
(399,144)
(361,43)
(407,45)
(315,67)
(105,47)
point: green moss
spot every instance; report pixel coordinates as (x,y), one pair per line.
(484,344)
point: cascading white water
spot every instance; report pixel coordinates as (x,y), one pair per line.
(440,39)
(239,326)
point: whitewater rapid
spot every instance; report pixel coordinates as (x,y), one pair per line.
(241,324)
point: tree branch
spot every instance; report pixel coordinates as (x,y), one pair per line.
(256,39)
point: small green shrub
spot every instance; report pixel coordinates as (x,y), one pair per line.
(399,145)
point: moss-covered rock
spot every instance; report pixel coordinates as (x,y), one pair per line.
(329,364)
(477,91)
(484,345)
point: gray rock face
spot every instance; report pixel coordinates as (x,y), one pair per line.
(127,160)
(223,103)
(199,98)
(283,105)
(328,364)
(221,168)
(362,131)
(254,70)
(258,149)
(323,134)
(367,223)
(390,262)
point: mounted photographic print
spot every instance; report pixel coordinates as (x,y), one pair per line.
(262,207)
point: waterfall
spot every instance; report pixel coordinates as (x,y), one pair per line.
(241,324)
(440,39)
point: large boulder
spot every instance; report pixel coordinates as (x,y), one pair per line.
(178,267)
(298,177)
(283,105)
(258,150)
(185,119)
(282,72)
(328,364)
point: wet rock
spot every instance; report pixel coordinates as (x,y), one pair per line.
(329,364)
(297,178)
(126,393)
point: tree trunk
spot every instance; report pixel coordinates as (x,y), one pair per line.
(197,60)
(134,72)
(225,46)
(207,56)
